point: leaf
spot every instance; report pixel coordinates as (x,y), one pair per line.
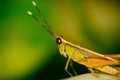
(89,76)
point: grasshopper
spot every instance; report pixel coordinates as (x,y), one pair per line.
(92,60)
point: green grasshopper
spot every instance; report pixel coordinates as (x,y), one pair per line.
(92,60)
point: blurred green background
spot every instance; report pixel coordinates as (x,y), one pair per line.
(27,51)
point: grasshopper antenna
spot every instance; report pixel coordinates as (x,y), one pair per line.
(37,8)
(47,27)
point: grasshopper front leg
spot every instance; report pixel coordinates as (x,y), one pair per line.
(66,66)
(68,61)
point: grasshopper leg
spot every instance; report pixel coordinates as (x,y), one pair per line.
(93,72)
(67,63)
(91,69)
(71,64)
(66,66)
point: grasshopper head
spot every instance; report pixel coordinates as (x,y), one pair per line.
(61,44)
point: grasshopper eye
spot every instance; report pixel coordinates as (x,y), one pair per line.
(59,41)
